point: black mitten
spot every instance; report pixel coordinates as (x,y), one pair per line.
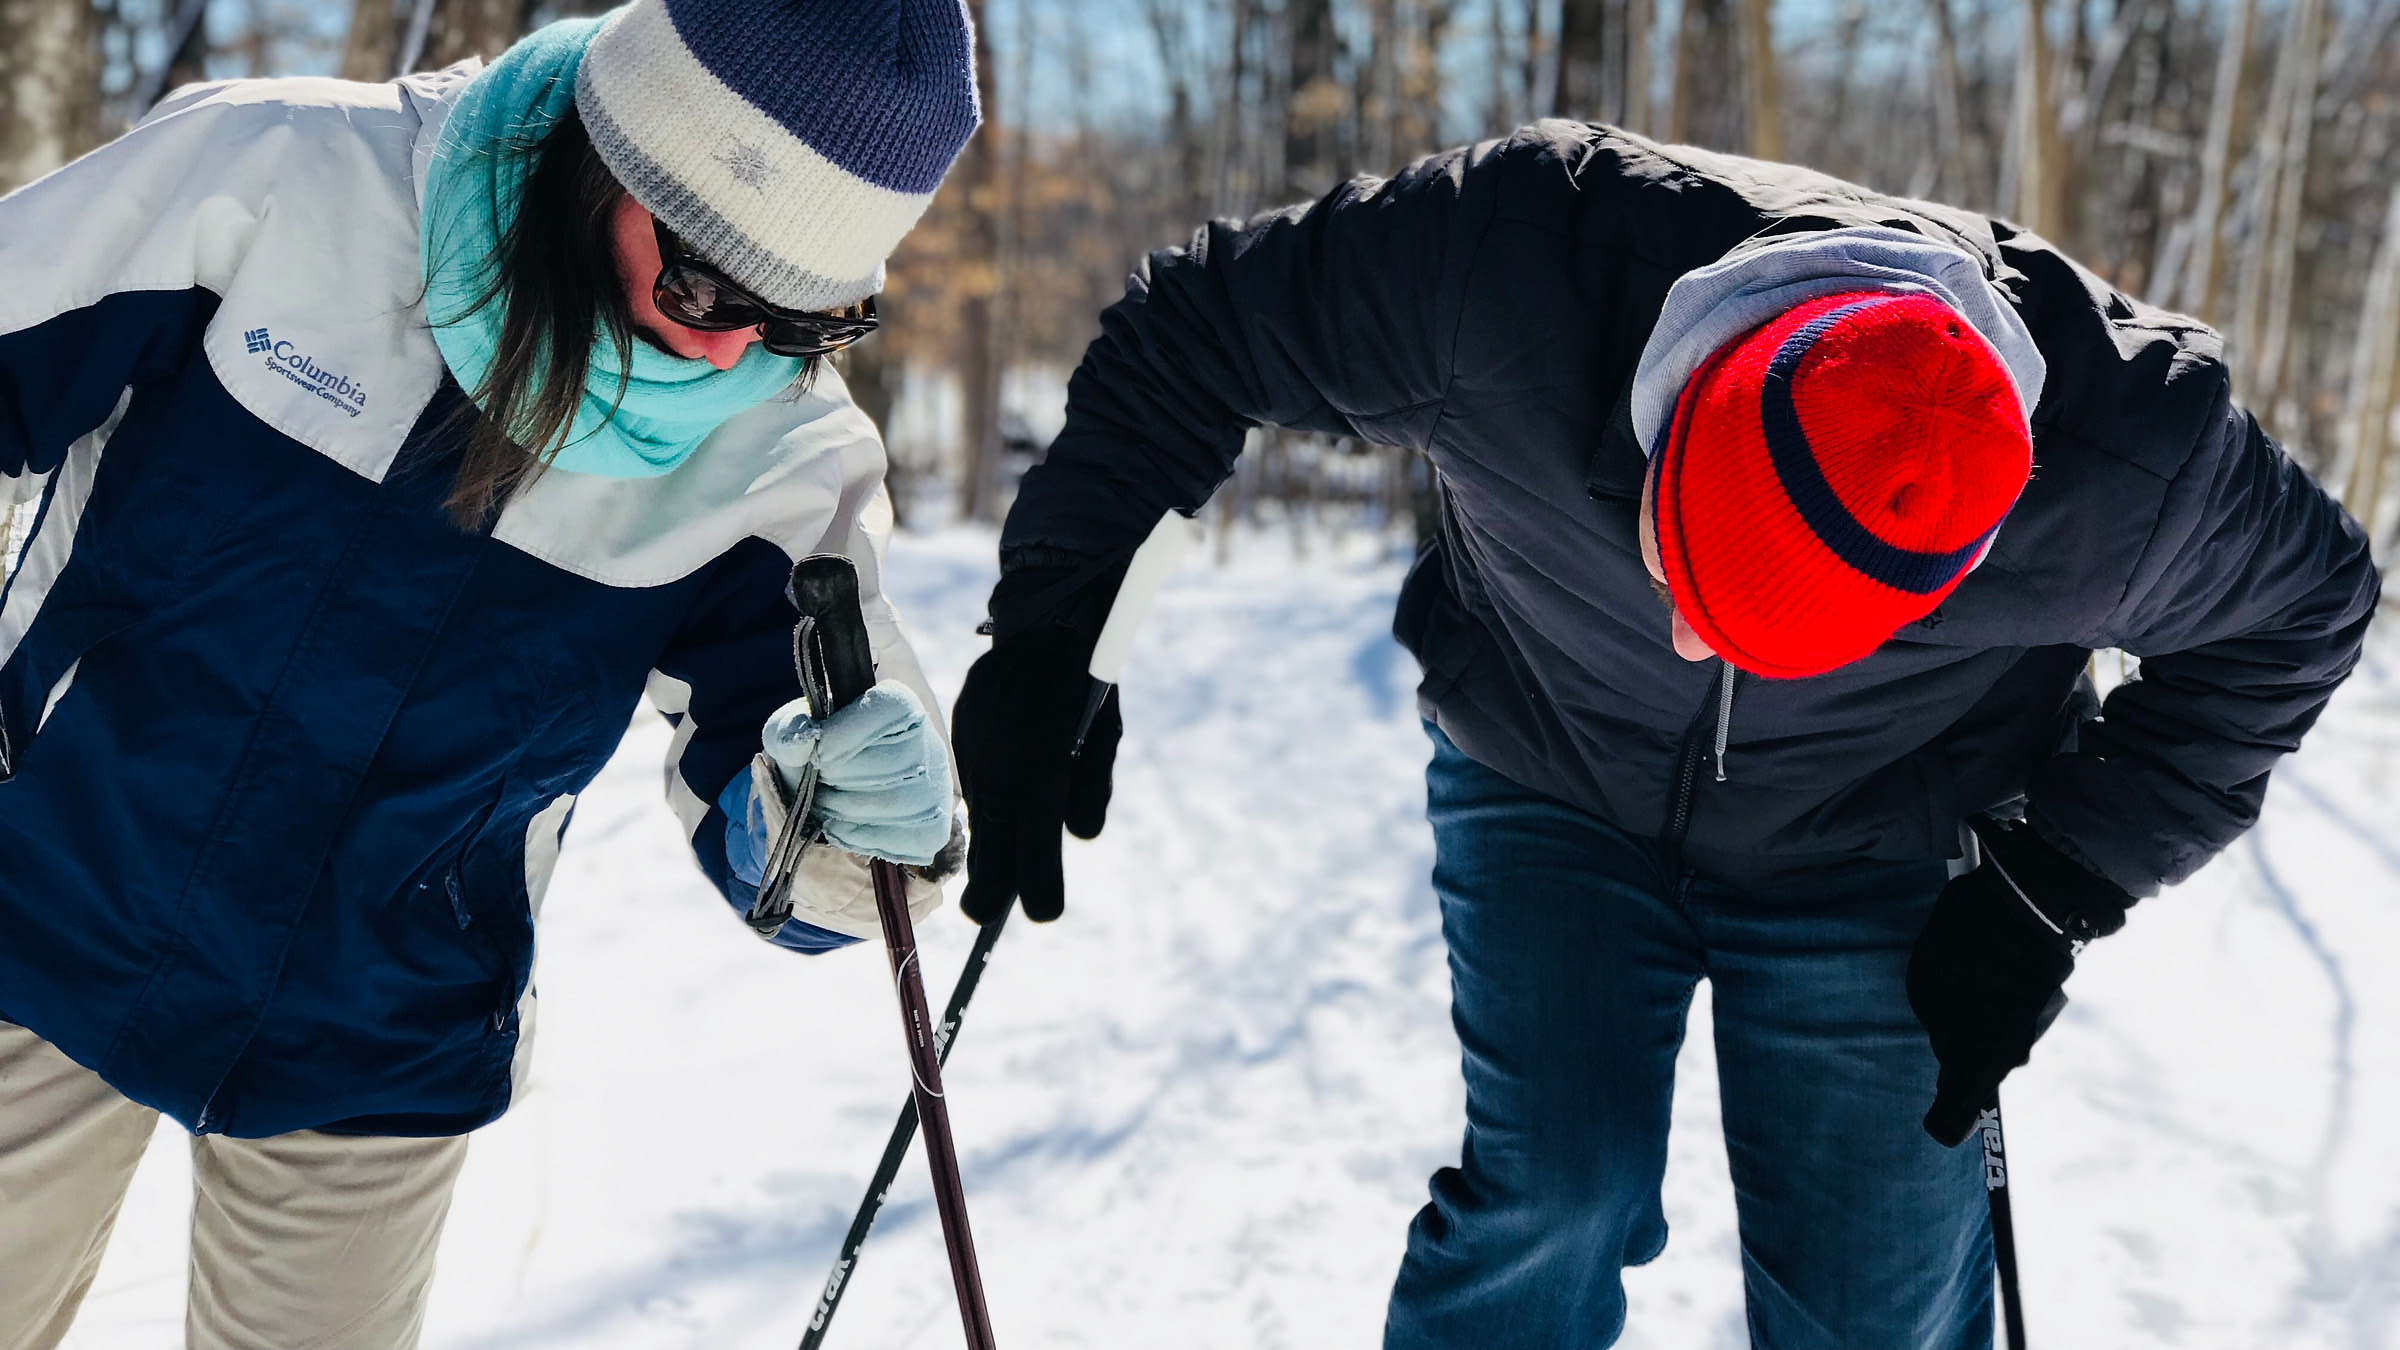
(1013,731)
(1987,976)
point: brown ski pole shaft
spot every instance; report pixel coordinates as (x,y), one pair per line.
(933,1110)
(904,1132)
(836,666)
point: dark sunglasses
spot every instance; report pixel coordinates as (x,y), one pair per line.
(696,295)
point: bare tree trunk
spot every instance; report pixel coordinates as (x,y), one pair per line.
(2270,337)
(867,372)
(464,28)
(1582,89)
(1379,94)
(372,50)
(1762,110)
(1016,172)
(1541,64)
(1316,101)
(1706,108)
(2136,221)
(50,68)
(2374,384)
(977,183)
(1416,127)
(1166,29)
(2079,114)
(1503,110)
(1637,115)
(1834,152)
(1950,175)
(2038,157)
(2079,93)
(1683,94)
(1426,95)
(2199,292)
(1230,140)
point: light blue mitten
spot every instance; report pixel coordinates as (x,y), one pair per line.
(883,775)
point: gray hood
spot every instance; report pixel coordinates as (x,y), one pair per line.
(1711,306)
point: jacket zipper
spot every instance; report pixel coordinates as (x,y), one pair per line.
(1690,755)
(1724,715)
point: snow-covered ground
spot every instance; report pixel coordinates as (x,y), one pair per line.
(1199,1111)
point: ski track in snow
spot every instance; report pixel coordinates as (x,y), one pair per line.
(1200,1110)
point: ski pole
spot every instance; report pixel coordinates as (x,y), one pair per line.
(1168,541)
(2004,1227)
(836,666)
(1153,560)
(904,1130)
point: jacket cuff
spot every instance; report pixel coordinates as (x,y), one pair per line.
(1074,594)
(2070,897)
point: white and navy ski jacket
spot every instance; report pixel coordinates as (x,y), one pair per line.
(285,756)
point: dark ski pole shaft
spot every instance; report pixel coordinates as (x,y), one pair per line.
(836,666)
(904,1132)
(2004,1227)
(933,1110)
(1166,545)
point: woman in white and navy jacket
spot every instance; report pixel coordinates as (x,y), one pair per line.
(389,441)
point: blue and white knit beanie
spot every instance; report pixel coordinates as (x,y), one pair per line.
(790,142)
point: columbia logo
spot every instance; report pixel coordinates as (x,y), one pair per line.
(302,369)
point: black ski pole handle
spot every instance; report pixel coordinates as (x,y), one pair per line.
(829,644)
(836,665)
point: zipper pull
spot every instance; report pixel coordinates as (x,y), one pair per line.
(1724,715)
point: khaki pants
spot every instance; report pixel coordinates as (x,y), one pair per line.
(301,1242)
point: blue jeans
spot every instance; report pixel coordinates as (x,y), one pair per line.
(1574,949)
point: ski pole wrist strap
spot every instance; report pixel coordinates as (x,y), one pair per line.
(2073,903)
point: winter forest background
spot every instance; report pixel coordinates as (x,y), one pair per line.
(1199,1110)
(2235,159)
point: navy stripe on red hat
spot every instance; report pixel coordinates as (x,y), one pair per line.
(1820,507)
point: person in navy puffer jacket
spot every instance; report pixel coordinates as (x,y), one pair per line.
(1779,519)
(389,442)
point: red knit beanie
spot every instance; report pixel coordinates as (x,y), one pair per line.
(1830,477)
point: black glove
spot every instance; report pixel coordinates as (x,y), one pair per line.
(1987,974)
(1012,731)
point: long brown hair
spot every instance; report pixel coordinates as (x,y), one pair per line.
(555,277)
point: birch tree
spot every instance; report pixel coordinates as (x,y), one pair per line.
(2035,193)
(2374,388)
(2262,317)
